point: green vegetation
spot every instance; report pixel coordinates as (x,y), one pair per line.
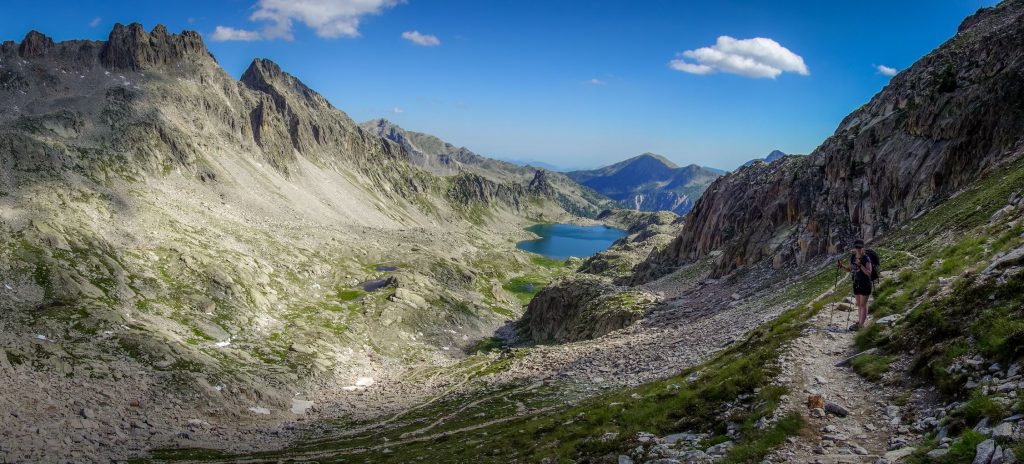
(761,443)
(487,345)
(349,294)
(525,287)
(871,366)
(961,450)
(979,407)
(546,262)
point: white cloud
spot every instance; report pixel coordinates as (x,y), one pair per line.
(95,21)
(886,71)
(397,110)
(758,57)
(329,18)
(426,40)
(222,33)
(596,81)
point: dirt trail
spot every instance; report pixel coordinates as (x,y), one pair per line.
(809,368)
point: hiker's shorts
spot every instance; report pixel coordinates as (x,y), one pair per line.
(862,287)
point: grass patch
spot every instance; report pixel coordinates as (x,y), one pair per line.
(961,450)
(550,263)
(525,288)
(979,407)
(487,345)
(349,294)
(871,366)
(760,444)
(871,336)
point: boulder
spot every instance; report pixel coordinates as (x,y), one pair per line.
(836,408)
(984,451)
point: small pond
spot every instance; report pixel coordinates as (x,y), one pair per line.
(560,241)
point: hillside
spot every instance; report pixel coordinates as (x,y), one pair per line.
(445,159)
(649,182)
(179,245)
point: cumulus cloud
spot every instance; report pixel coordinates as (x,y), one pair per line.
(885,70)
(596,81)
(95,21)
(329,18)
(222,33)
(758,57)
(397,110)
(426,40)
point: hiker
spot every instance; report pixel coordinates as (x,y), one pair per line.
(861,267)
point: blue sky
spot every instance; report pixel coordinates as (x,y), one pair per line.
(577,83)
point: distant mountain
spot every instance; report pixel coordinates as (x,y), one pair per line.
(537,164)
(442,158)
(774,155)
(649,182)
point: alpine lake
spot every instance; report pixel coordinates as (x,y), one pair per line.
(560,241)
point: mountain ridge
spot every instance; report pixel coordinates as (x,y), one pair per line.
(649,182)
(445,159)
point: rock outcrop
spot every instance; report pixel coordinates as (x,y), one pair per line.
(955,115)
(131,47)
(582,308)
(35,44)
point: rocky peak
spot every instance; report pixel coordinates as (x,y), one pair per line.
(267,76)
(35,44)
(131,47)
(539,184)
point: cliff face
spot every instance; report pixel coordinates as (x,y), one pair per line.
(953,116)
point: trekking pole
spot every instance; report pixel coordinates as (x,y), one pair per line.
(835,289)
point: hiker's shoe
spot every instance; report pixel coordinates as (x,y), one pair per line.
(855,327)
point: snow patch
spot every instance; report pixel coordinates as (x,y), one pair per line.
(300,406)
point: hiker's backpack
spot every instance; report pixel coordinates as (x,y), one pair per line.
(876,263)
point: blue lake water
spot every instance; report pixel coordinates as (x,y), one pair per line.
(560,241)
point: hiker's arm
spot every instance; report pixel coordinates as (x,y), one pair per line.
(866,268)
(843,266)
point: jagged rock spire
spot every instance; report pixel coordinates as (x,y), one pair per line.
(131,47)
(35,44)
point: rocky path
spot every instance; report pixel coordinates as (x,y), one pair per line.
(853,425)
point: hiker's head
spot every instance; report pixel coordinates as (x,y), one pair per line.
(858,246)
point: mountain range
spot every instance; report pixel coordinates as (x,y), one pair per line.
(200,268)
(444,159)
(649,182)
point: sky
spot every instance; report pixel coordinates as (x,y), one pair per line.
(572,83)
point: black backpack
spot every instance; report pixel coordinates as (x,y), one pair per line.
(876,263)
